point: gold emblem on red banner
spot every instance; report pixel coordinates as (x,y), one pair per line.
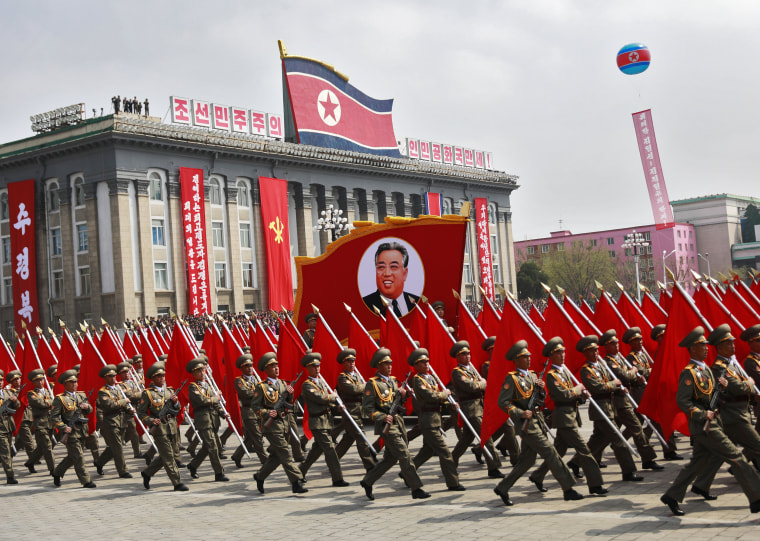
(277,226)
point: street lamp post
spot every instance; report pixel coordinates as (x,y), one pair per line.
(635,241)
(706,257)
(333,222)
(664,270)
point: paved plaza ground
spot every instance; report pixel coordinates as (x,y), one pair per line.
(123,509)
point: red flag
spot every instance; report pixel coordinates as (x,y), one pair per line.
(418,326)
(654,312)
(110,348)
(232,350)
(328,346)
(274,215)
(400,344)
(19,356)
(290,351)
(665,298)
(717,313)
(129,346)
(470,330)
(7,361)
(180,353)
(439,346)
(148,350)
(490,319)
(748,295)
(579,316)
(536,316)
(260,342)
(70,357)
(607,316)
(559,323)
(636,318)
(659,400)
(740,308)
(89,379)
(365,346)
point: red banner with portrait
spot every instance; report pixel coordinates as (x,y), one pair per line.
(484,246)
(274,215)
(23,255)
(396,263)
(194,225)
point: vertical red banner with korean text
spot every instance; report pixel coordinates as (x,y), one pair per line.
(650,160)
(194,226)
(484,246)
(23,255)
(274,215)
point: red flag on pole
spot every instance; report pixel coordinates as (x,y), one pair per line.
(607,316)
(360,340)
(470,330)
(328,346)
(654,312)
(559,323)
(635,317)
(536,316)
(274,215)
(439,346)
(489,318)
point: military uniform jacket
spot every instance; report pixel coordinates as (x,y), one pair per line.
(752,366)
(734,400)
(428,400)
(350,389)
(132,390)
(40,403)
(245,390)
(318,403)
(205,405)
(64,408)
(696,386)
(112,405)
(599,383)
(151,402)
(265,397)
(467,383)
(566,396)
(378,398)
(627,376)
(308,337)
(515,396)
(7,423)
(484,368)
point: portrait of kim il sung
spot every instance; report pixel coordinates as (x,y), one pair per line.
(391,269)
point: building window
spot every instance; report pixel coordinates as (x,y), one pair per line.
(245,235)
(530,250)
(6,250)
(223,308)
(82,240)
(54,199)
(467,274)
(247,274)
(561,247)
(649,249)
(544,248)
(157,227)
(8,292)
(56,247)
(647,236)
(691,247)
(159,272)
(217,235)
(611,252)
(242,194)
(215,192)
(494,246)
(4,206)
(593,242)
(84,281)
(491,214)
(497,273)
(156,193)
(163,310)
(58,284)
(79,192)
(610,241)
(679,246)
(678,232)
(220,275)
(446,206)
(651,263)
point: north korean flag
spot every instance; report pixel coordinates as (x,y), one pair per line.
(433,204)
(329,112)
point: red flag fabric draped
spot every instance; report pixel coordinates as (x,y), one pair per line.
(559,323)
(536,316)
(418,325)
(274,215)
(328,346)
(439,345)
(70,356)
(290,351)
(365,346)
(586,309)
(636,318)
(19,356)
(665,299)
(747,294)
(470,330)
(129,346)
(148,350)
(578,316)
(260,342)
(489,318)
(654,312)
(400,344)
(180,353)
(607,316)
(232,350)
(717,313)
(88,376)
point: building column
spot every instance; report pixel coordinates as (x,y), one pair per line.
(146,247)
(237,302)
(261,294)
(509,267)
(93,259)
(70,277)
(304,230)
(177,228)
(121,225)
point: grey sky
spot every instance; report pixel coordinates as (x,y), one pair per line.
(533,81)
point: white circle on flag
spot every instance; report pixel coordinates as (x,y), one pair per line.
(328,107)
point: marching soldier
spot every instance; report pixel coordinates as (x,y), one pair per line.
(245,385)
(601,384)
(625,415)
(381,393)
(163,427)
(567,419)
(113,406)
(24,433)
(9,402)
(40,401)
(319,403)
(469,389)
(70,411)
(206,413)
(428,402)
(516,398)
(350,387)
(308,334)
(91,441)
(696,386)
(751,335)
(133,391)
(508,443)
(271,399)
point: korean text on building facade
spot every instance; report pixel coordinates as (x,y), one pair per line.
(448,154)
(650,161)
(23,255)
(204,114)
(484,246)
(194,224)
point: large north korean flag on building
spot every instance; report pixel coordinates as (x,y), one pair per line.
(329,112)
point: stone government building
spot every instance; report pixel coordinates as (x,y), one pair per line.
(109,240)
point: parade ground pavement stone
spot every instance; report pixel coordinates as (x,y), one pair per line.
(123,509)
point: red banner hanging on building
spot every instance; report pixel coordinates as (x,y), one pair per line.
(23,255)
(274,215)
(650,160)
(194,223)
(484,246)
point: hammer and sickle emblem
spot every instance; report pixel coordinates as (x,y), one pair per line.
(277,227)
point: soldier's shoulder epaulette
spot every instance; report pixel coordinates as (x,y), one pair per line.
(512,373)
(374,378)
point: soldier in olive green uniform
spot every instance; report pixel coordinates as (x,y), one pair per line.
(469,389)
(40,402)
(508,443)
(271,400)
(308,334)
(350,387)
(696,386)
(566,418)
(66,406)
(751,335)
(379,395)
(114,407)
(10,403)
(601,385)
(428,400)
(133,390)
(515,399)
(163,427)
(245,385)
(24,437)
(319,403)
(206,412)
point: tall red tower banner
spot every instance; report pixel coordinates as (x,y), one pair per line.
(650,160)
(194,224)
(274,215)
(23,255)
(484,246)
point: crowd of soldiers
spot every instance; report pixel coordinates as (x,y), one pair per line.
(130,105)
(198,324)
(716,400)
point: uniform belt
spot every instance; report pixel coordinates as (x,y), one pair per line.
(470,397)
(320,414)
(430,410)
(606,396)
(571,403)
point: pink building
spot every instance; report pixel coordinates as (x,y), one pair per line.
(676,247)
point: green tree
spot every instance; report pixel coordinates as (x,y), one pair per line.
(751,219)
(577,269)
(529,279)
